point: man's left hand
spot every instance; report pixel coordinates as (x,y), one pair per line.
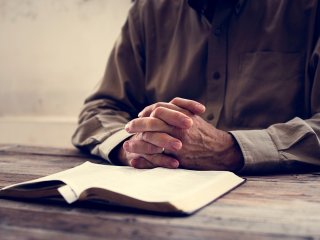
(203,146)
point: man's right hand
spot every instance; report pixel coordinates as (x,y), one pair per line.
(151,155)
(148,156)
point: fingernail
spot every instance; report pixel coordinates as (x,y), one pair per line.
(127,127)
(131,162)
(201,107)
(140,114)
(125,145)
(187,122)
(174,164)
(176,145)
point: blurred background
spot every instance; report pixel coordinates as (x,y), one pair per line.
(52,54)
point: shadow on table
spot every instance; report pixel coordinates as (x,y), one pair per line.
(93,207)
(292,167)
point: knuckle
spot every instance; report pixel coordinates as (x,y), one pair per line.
(133,145)
(144,110)
(139,124)
(174,100)
(195,103)
(178,115)
(187,113)
(138,136)
(151,157)
(133,123)
(153,107)
(128,146)
(156,105)
(148,124)
(149,148)
(158,111)
(145,136)
(165,161)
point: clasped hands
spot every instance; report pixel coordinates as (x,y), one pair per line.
(173,135)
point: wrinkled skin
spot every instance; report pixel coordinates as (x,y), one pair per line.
(189,141)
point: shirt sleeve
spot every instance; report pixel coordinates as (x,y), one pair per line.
(290,144)
(119,96)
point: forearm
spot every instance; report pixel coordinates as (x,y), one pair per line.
(281,146)
(119,96)
(101,128)
(118,155)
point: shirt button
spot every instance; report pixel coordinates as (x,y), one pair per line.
(217,31)
(216,75)
(238,7)
(210,117)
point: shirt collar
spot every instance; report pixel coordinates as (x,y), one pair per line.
(200,5)
(239,6)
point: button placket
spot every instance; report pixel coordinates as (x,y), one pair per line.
(217,64)
(210,116)
(216,75)
(217,31)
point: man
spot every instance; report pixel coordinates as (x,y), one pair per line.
(253,65)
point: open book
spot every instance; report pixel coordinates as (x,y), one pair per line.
(158,189)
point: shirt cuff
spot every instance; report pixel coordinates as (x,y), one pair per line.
(259,152)
(111,142)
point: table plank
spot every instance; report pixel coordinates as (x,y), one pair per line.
(265,207)
(97,225)
(38,234)
(35,150)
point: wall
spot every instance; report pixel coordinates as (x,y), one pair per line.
(52,54)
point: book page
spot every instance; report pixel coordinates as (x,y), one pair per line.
(151,185)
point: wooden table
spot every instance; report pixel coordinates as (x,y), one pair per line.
(265,207)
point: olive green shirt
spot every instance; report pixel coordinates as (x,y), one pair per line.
(255,67)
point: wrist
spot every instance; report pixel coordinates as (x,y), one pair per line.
(229,152)
(235,155)
(122,156)
(119,156)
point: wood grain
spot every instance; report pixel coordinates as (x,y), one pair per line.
(265,207)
